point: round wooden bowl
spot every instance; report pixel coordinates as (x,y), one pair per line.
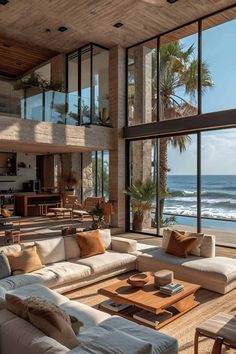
(138,280)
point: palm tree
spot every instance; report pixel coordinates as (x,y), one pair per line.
(178,71)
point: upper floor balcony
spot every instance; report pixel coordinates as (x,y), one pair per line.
(73,90)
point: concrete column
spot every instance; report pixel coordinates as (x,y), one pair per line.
(142,85)
(117,156)
(87,175)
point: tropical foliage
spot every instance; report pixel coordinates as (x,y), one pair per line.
(142,194)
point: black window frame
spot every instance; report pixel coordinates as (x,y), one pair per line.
(79,51)
(186,125)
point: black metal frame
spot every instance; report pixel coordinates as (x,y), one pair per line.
(90,46)
(187,125)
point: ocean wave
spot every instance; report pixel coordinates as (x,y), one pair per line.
(218,202)
(216,195)
(214,213)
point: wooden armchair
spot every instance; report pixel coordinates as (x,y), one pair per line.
(221,328)
(82,210)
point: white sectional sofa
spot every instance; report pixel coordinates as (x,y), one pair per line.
(64,269)
(213,273)
(101,333)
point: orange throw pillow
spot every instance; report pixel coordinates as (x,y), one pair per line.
(180,245)
(90,244)
(25,261)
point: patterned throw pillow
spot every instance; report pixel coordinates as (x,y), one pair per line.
(5,269)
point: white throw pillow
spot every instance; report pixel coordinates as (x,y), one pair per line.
(106,237)
(71,247)
(166,238)
(196,250)
(208,246)
(51,250)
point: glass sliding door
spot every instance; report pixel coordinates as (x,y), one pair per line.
(218,195)
(178,182)
(143,176)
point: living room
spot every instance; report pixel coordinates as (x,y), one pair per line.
(117,151)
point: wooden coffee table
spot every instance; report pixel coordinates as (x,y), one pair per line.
(150,299)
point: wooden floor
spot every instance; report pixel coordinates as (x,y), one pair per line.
(182,328)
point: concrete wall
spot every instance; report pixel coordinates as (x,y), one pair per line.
(47,137)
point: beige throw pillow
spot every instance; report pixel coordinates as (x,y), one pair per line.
(196,250)
(25,261)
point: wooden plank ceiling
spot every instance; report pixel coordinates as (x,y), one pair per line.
(25,23)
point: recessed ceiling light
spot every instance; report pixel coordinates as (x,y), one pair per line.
(47,30)
(62,29)
(118,24)
(3,2)
(171,1)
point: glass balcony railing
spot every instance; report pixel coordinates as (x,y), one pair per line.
(34,104)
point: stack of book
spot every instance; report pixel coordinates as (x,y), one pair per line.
(171,289)
(151,318)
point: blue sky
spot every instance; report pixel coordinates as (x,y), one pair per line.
(219,147)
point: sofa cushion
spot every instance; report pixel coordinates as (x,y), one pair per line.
(25,261)
(41,291)
(107,261)
(51,320)
(11,248)
(218,268)
(5,269)
(180,245)
(16,281)
(115,342)
(123,245)
(51,250)
(71,247)
(161,343)
(88,315)
(90,244)
(67,272)
(27,339)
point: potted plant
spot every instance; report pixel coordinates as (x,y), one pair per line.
(68,181)
(142,194)
(98,216)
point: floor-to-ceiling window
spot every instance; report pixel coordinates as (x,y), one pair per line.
(88,85)
(191,72)
(96,174)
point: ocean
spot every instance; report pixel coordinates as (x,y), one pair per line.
(218,200)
